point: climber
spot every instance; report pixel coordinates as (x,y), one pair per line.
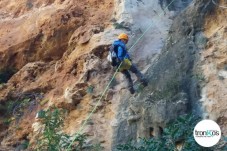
(122,58)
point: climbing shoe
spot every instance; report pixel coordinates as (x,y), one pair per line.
(144,82)
(131,90)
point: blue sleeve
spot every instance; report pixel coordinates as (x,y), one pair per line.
(127,56)
(120,53)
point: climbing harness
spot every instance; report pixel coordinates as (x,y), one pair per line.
(126,65)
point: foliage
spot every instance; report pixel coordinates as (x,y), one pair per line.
(200,77)
(7,121)
(14,108)
(9,107)
(52,138)
(24,104)
(25,144)
(97,147)
(181,130)
(18,110)
(1,85)
(225,146)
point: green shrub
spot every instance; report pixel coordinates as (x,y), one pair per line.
(9,107)
(14,108)
(7,121)
(20,106)
(25,144)
(53,138)
(181,130)
(200,77)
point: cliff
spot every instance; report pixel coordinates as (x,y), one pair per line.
(53,53)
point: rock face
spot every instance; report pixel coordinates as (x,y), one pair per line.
(213,63)
(46,42)
(38,23)
(176,79)
(58,49)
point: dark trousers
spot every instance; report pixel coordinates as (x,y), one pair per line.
(127,75)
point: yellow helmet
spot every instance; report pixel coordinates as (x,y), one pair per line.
(123,36)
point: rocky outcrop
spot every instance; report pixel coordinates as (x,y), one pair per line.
(47,43)
(213,62)
(41,30)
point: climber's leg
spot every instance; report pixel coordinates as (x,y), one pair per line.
(129,81)
(139,75)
